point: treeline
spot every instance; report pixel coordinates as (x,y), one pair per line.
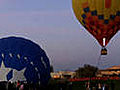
(86,71)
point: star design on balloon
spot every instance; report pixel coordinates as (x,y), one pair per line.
(3,72)
(43,62)
(18,75)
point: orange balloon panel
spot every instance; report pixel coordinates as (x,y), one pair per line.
(100,17)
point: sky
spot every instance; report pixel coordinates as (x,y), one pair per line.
(53,25)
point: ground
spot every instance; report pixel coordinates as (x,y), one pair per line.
(81,85)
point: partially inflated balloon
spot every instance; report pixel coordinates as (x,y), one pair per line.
(22,59)
(100,17)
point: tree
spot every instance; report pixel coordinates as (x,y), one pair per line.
(86,71)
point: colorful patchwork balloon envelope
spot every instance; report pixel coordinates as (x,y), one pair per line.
(100,17)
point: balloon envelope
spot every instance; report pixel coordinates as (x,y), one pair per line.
(100,17)
(23,60)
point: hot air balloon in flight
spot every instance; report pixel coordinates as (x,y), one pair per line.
(100,17)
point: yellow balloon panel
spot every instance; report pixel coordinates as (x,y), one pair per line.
(98,5)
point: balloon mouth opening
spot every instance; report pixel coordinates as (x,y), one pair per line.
(103,51)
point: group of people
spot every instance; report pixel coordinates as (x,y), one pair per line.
(98,86)
(18,86)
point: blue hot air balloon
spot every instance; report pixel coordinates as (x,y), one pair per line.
(24,60)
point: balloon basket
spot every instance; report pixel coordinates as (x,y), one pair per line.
(103,51)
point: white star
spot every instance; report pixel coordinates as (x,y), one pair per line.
(36,69)
(18,75)
(31,63)
(18,55)
(43,62)
(3,72)
(26,58)
(2,55)
(10,54)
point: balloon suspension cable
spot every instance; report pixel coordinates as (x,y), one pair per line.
(102,58)
(102,62)
(98,62)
